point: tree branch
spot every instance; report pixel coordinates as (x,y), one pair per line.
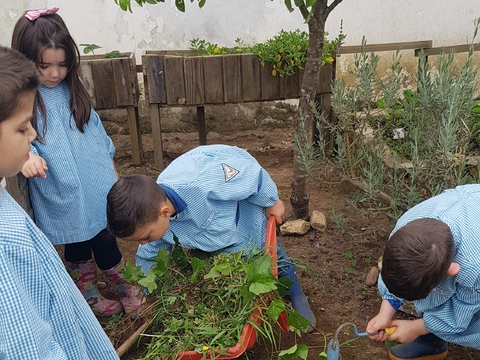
(305,12)
(332,6)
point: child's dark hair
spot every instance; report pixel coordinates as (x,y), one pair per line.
(133,201)
(417,257)
(18,75)
(49,31)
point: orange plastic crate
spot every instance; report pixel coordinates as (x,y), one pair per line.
(249,334)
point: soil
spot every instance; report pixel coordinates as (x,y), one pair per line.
(340,257)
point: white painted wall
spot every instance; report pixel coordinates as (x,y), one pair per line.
(161,26)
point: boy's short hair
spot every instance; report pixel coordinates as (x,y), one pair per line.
(417,257)
(18,75)
(133,201)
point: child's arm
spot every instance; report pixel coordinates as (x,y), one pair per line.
(277,210)
(29,335)
(381,321)
(35,166)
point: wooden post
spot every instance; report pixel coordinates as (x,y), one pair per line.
(157,135)
(135,134)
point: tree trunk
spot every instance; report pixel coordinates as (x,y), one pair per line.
(316,27)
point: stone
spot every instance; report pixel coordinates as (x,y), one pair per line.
(318,221)
(372,276)
(295,227)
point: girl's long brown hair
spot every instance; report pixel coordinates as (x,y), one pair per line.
(32,38)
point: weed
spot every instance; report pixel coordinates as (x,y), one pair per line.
(363,291)
(367,259)
(351,257)
(339,220)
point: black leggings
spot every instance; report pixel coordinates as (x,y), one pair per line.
(104,247)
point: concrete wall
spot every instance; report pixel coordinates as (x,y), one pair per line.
(161,26)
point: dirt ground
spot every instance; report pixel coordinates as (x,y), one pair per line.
(341,257)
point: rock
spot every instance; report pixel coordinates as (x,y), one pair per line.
(318,221)
(372,276)
(295,227)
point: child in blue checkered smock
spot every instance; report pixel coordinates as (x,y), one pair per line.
(70,169)
(42,313)
(214,197)
(433,259)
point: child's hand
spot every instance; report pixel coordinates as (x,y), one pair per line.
(377,325)
(277,210)
(380,322)
(407,330)
(35,166)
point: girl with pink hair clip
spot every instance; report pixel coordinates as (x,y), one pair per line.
(71,168)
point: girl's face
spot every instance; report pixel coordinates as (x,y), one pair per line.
(53,67)
(16,134)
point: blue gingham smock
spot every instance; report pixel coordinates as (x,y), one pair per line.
(226,192)
(69,205)
(42,313)
(452,310)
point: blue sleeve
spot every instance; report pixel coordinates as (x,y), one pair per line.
(394,301)
(98,123)
(28,335)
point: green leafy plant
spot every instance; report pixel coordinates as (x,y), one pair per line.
(90,48)
(203,301)
(339,220)
(286,51)
(430,132)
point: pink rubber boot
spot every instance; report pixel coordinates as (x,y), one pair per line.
(84,274)
(131,296)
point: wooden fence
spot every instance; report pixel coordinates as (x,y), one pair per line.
(173,79)
(180,78)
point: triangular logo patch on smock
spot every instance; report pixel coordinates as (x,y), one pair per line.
(229,172)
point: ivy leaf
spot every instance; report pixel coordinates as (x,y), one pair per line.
(247,295)
(262,266)
(295,352)
(284,285)
(131,273)
(149,282)
(178,254)
(263,284)
(322,356)
(197,266)
(212,274)
(224,268)
(275,308)
(296,320)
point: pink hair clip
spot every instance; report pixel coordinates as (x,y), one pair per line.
(33,15)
